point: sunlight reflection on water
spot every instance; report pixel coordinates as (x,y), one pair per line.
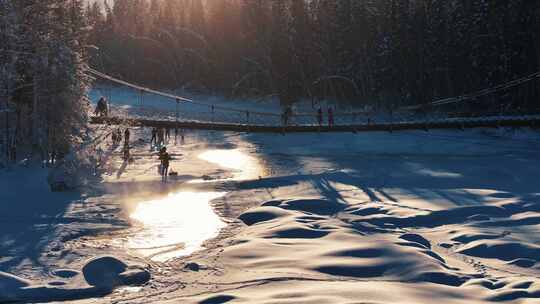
(180,223)
(243,165)
(175,226)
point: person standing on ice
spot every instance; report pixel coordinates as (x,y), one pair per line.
(330,117)
(127,135)
(165,159)
(127,154)
(182,136)
(118,136)
(168,134)
(320,116)
(153,140)
(286,115)
(161,137)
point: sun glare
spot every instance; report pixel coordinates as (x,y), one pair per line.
(176,225)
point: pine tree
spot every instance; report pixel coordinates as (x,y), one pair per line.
(302,48)
(51,73)
(396,51)
(10,56)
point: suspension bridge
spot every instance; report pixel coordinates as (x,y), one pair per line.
(458,112)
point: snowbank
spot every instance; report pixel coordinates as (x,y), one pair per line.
(101,276)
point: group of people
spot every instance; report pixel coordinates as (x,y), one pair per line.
(287,113)
(117,137)
(161,136)
(320,118)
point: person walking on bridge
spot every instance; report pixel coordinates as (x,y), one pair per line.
(101,108)
(320,116)
(330,117)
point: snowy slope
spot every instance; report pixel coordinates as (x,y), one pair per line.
(317,218)
(343,218)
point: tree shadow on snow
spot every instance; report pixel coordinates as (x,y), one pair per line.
(441,181)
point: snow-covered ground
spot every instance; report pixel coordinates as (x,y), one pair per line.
(403,217)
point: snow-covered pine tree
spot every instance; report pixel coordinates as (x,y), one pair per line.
(301,45)
(280,50)
(50,98)
(343,31)
(67,113)
(197,17)
(10,54)
(363,32)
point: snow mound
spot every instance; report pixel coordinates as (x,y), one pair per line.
(365,211)
(314,206)
(9,282)
(108,272)
(104,271)
(389,259)
(471,237)
(524,263)
(218,299)
(65,273)
(262,214)
(506,251)
(311,244)
(103,274)
(296,232)
(416,238)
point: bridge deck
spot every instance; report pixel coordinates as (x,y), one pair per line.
(452,123)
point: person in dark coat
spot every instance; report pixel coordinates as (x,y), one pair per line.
(165,159)
(153,140)
(161,137)
(182,136)
(330,117)
(127,135)
(127,154)
(319,116)
(101,109)
(113,137)
(168,134)
(118,136)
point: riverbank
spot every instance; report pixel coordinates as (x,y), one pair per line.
(447,215)
(329,218)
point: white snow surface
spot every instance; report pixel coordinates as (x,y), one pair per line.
(320,218)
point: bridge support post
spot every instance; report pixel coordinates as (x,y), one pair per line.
(141,98)
(177,110)
(391,121)
(247,121)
